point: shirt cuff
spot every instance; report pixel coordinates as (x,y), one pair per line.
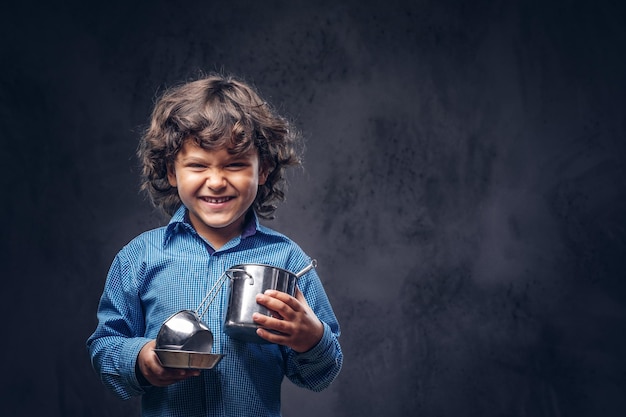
(129,363)
(325,344)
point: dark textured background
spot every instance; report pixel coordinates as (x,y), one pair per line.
(464,191)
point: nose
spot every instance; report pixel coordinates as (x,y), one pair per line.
(215,179)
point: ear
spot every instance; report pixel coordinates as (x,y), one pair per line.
(171,175)
(263,174)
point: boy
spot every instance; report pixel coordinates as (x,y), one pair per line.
(213,158)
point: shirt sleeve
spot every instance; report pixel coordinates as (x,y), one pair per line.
(118,338)
(316,368)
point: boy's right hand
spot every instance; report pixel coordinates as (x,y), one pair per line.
(155,373)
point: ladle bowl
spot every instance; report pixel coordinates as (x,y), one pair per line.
(185,341)
(185,331)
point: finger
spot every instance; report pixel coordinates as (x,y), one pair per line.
(271,323)
(269,298)
(279,295)
(277,309)
(181,374)
(271,303)
(300,296)
(171,376)
(268,322)
(161,376)
(280,339)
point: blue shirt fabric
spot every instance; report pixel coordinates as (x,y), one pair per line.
(171,268)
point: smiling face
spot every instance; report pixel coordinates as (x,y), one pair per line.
(217,188)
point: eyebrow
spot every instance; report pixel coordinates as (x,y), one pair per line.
(231,157)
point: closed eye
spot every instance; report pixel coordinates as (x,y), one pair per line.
(237,165)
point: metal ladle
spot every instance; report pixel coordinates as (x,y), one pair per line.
(185,330)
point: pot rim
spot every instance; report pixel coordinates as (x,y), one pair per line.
(241,266)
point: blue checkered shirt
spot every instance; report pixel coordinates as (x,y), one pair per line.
(171,268)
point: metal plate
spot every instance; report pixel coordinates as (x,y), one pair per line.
(187,360)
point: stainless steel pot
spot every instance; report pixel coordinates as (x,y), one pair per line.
(248,280)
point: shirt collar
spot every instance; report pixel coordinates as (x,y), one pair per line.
(180,221)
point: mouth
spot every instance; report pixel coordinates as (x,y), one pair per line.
(216,200)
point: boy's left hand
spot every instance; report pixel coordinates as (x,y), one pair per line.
(300,328)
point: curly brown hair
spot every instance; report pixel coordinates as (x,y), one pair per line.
(217,112)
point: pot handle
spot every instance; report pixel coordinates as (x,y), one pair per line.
(233,277)
(310,266)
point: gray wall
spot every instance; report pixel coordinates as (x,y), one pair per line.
(464,191)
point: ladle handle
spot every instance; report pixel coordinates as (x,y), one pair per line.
(215,289)
(310,266)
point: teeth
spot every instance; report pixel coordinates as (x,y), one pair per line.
(216,200)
